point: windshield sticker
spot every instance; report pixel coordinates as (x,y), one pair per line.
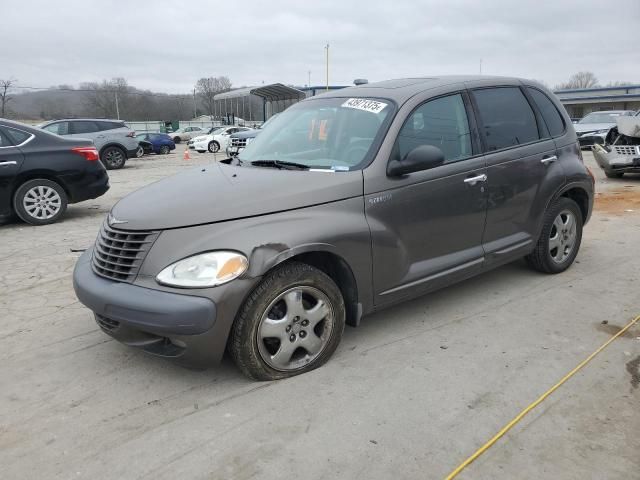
(365,104)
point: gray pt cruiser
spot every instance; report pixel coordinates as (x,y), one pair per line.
(345,204)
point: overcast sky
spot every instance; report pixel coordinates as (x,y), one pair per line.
(168,45)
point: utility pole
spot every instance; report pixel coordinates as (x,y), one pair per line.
(117,107)
(309,73)
(480,66)
(195,109)
(327,49)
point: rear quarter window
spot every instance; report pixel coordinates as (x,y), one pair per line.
(18,136)
(507,118)
(110,125)
(549,112)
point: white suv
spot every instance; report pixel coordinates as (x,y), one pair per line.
(114,140)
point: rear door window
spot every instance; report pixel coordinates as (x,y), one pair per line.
(84,127)
(59,128)
(507,119)
(442,123)
(549,112)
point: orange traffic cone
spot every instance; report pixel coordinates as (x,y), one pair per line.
(186,155)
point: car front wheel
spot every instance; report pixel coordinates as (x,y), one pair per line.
(214,146)
(113,158)
(164,149)
(291,323)
(560,239)
(40,201)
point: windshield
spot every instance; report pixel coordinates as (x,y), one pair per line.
(215,130)
(600,118)
(325,133)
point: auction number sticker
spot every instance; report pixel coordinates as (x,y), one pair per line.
(373,106)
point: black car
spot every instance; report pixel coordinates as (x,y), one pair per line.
(40,173)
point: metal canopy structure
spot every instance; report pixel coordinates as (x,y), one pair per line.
(275,98)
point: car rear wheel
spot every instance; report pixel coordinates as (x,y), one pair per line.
(291,323)
(40,201)
(560,239)
(113,158)
(610,174)
(177,139)
(214,146)
(164,149)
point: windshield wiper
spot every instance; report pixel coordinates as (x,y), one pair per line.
(280,164)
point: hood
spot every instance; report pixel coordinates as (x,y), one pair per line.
(246,134)
(592,127)
(221,192)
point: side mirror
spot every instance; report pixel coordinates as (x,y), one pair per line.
(420,158)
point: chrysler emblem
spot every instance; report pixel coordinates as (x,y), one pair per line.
(111,220)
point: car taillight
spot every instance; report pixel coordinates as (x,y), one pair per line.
(89,153)
(131,134)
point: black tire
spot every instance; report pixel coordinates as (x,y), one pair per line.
(25,207)
(139,151)
(113,158)
(243,340)
(177,139)
(164,149)
(610,174)
(541,258)
(213,146)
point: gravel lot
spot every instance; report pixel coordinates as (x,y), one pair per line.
(409,394)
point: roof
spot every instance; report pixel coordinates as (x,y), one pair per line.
(275,91)
(401,89)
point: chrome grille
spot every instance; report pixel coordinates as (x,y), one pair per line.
(627,149)
(239,142)
(118,254)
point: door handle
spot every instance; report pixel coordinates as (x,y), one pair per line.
(474,180)
(548,160)
(10,162)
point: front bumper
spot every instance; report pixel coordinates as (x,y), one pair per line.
(589,140)
(161,323)
(621,159)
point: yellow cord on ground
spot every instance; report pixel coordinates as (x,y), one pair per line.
(542,397)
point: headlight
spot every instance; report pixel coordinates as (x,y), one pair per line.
(249,140)
(204,270)
(605,130)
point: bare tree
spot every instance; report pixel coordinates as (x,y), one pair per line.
(5,88)
(107,99)
(209,87)
(579,80)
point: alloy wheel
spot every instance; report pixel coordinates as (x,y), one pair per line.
(42,202)
(295,328)
(563,236)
